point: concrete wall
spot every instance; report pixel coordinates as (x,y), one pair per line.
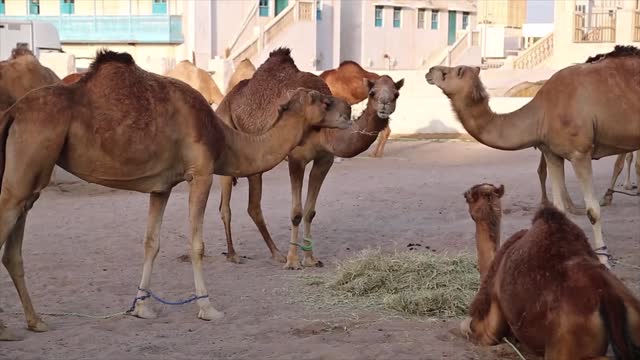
(155,58)
(351,38)
(300,37)
(228,20)
(325,51)
(89,7)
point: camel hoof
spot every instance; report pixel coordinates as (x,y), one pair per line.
(39,326)
(606,201)
(210,314)
(236,259)
(604,260)
(312,262)
(143,312)
(279,258)
(465,327)
(7,335)
(293,265)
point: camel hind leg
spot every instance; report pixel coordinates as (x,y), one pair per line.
(382,141)
(226,188)
(542,176)
(627,179)
(617,169)
(255,212)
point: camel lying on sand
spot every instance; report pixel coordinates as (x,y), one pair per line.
(197,79)
(546,287)
(125,128)
(249,108)
(560,120)
(346,82)
(530,89)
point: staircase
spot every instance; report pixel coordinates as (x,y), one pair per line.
(449,55)
(536,55)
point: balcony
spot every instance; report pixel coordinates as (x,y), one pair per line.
(595,27)
(148,29)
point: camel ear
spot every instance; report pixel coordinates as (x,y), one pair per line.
(499,191)
(476,70)
(460,71)
(368,83)
(399,84)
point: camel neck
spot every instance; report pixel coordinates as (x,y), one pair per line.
(487,242)
(244,155)
(347,143)
(510,131)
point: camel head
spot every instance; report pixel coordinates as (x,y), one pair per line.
(383,94)
(484,201)
(460,81)
(317,109)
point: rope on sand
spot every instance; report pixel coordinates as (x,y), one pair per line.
(514,348)
(101,317)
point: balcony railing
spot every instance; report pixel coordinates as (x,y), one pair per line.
(597,27)
(159,29)
(536,54)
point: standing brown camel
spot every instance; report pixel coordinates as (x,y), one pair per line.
(346,82)
(546,287)
(248,108)
(197,79)
(125,128)
(567,119)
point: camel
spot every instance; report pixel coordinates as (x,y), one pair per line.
(125,128)
(546,287)
(530,89)
(560,120)
(248,108)
(244,70)
(346,82)
(198,79)
(21,73)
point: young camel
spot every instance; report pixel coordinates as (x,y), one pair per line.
(125,128)
(546,287)
(346,82)
(560,120)
(248,108)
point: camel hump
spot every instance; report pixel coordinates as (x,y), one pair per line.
(281,52)
(618,51)
(349,63)
(105,56)
(21,51)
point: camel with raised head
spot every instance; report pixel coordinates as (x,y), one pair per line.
(567,119)
(346,82)
(546,287)
(249,108)
(125,128)
(198,79)
(530,89)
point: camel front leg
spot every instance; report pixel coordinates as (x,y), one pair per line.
(198,195)
(638,172)
(382,141)
(296,175)
(542,176)
(255,212)
(157,205)
(617,169)
(226,188)
(584,173)
(487,331)
(555,165)
(627,179)
(321,167)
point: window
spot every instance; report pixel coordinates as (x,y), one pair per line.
(465,20)
(34,7)
(421,13)
(378,16)
(318,9)
(67,7)
(434,19)
(159,7)
(1,7)
(263,8)
(396,17)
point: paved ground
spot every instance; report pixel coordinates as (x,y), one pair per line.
(83,253)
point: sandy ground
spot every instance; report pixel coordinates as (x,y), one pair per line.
(83,254)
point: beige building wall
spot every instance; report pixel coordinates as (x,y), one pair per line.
(15,8)
(89,7)
(511,13)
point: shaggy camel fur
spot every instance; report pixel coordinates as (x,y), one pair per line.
(346,82)
(567,119)
(197,79)
(244,71)
(125,128)
(248,108)
(72,78)
(21,73)
(546,287)
(530,89)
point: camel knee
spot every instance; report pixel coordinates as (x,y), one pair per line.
(296,218)
(13,262)
(255,213)
(197,252)
(151,246)
(593,215)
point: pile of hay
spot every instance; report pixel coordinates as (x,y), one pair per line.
(412,283)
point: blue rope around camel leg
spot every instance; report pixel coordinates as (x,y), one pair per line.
(149,293)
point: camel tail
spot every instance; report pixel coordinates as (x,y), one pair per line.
(6,119)
(614,315)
